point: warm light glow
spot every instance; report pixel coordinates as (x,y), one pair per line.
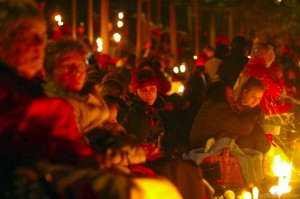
(195,57)
(246,195)
(283,170)
(249,56)
(99,42)
(121,15)
(182,68)
(120,24)
(117,37)
(57,18)
(175,69)
(255,193)
(180,89)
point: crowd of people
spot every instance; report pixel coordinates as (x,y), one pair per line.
(74,126)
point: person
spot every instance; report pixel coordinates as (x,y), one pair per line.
(232,65)
(194,92)
(66,70)
(250,96)
(217,118)
(212,65)
(39,136)
(262,66)
(143,120)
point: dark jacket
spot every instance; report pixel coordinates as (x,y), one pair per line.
(216,120)
(144,121)
(231,67)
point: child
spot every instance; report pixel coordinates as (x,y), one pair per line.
(250,96)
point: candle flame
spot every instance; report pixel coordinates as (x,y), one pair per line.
(282,169)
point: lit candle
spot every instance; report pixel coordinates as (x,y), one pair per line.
(255,193)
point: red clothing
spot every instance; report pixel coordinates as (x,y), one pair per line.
(269,102)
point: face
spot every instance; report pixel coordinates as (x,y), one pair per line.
(252,97)
(70,71)
(148,94)
(24,50)
(113,113)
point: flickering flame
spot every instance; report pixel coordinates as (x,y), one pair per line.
(283,170)
(180,89)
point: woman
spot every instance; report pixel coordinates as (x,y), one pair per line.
(251,93)
(143,120)
(66,70)
(217,118)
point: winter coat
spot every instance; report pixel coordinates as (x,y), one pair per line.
(216,120)
(144,121)
(89,111)
(34,125)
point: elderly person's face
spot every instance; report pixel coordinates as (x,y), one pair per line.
(70,71)
(24,49)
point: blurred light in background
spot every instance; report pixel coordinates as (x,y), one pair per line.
(99,42)
(182,68)
(121,15)
(120,24)
(117,37)
(175,69)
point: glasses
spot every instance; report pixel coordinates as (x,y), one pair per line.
(73,68)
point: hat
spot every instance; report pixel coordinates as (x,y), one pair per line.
(142,78)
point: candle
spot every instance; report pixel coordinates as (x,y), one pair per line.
(255,193)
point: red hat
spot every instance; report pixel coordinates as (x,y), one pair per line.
(142,78)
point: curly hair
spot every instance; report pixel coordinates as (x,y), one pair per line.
(56,49)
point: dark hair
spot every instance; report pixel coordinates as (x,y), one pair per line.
(112,88)
(249,84)
(221,51)
(216,91)
(142,77)
(56,49)
(238,44)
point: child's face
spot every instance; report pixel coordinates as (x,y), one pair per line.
(70,71)
(252,97)
(148,94)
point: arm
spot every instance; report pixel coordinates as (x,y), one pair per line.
(236,123)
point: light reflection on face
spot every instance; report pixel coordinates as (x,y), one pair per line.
(252,97)
(148,94)
(70,71)
(24,50)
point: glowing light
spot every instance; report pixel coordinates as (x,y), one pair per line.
(57,18)
(121,15)
(182,68)
(255,193)
(195,57)
(117,37)
(120,24)
(283,170)
(99,42)
(246,195)
(175,69)
(180,89)
(249,56)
